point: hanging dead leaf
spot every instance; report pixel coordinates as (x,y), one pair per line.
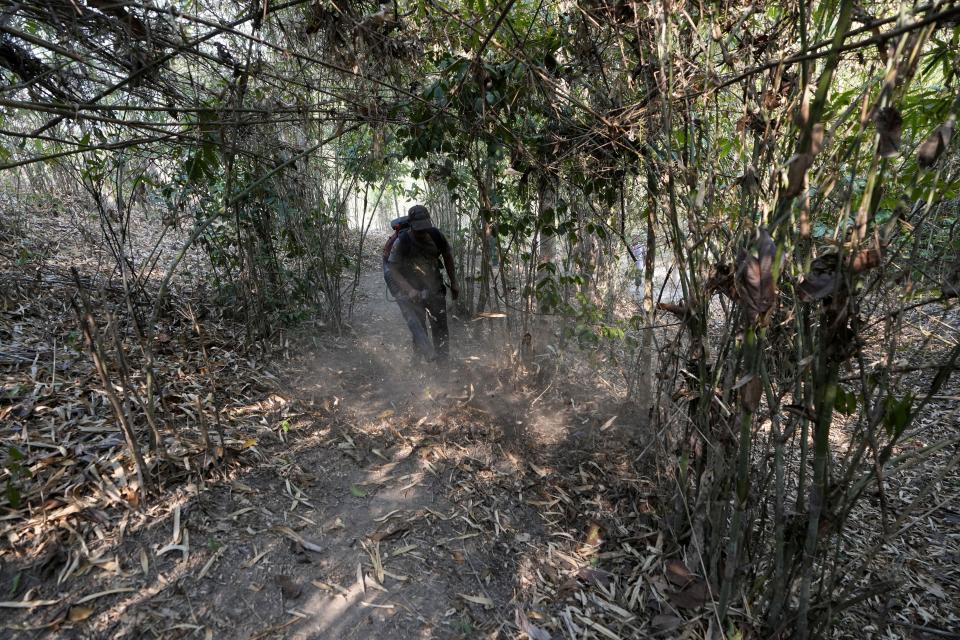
(722,280)
(750,394)
(889,125)
(678,310)
(749,181)
(755,284)
(865,259)
(951,284)
(796,174)
(822,280)
(930,149)
(816,138)
(802,114)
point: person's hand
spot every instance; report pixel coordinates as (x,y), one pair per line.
(454,290)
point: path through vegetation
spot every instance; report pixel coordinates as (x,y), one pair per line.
(381,498)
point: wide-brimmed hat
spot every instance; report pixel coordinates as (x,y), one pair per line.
(419,218)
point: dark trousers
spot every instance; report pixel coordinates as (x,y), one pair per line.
(417,314)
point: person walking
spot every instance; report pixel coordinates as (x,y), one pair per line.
(412,259)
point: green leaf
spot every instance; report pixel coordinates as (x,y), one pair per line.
(896,415)
(13,495)
(845,402)
(15,586)
(358,491)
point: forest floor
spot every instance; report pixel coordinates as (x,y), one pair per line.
(363,495)
(359,494)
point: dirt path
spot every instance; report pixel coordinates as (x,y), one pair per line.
(418,539)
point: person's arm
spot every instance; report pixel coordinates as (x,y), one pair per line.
(391,272)
(451,272)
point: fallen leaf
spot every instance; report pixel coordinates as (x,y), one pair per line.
(695,595)
(540,471)
(289,588)
(389,532)
(677,573)
(306,543)
(594,576)
(27,604)
(593,536)
(485,601)
(357,491)
(533,632)
(665,622)
(77,614)
(108,592)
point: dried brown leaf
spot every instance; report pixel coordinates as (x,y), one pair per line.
(306,543)
(755,284)
(930,149)
(865,259)
(889,125)
(801,411)
(796,174)
(666,622)
(533,632)
(78,614)
(693,596)
(290,588)
(816,138)
(482,600)
(594,576)
(678,573)
(26,604)
(391,531)
(822,280)
(750,394)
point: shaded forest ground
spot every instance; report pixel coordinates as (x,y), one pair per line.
(363,495)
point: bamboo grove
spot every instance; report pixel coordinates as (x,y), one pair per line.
(794,162)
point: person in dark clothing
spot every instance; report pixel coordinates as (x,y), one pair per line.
(411,267)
